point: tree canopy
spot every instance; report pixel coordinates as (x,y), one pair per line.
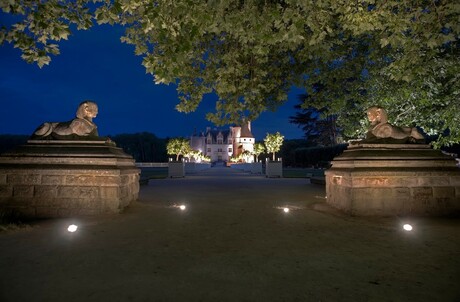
(273,143)
(259,148)
(318,128)
(401,55)
(178,146)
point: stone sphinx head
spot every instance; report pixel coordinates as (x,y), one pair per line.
(377,115)
(87,110)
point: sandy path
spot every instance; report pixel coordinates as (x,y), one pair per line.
(232,243)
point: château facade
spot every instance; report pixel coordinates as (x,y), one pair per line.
(221,145)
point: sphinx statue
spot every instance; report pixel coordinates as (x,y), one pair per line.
(382,132)
(81,127)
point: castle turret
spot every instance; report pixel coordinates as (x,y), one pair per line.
(243,140)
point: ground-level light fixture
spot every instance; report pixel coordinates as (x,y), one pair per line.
(407,227)
(286,210)
(72,228)
(182,207)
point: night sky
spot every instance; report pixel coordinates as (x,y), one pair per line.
(95,65)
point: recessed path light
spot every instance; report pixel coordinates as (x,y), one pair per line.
(72,228)
(407,227)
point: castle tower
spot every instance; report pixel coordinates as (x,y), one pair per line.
(243,140)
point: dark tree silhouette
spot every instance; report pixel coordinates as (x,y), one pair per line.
(144,147)
(319,127)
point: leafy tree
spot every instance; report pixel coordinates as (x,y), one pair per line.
(306,119)
(402,55)
(178,146)
(42,24)
(196,155)
(259,148)
(273,143)
(319,128)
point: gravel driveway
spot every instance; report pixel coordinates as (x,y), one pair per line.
(233,242)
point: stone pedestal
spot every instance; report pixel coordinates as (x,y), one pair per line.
(176,169)
(274,169)
(384,180)
(47,179)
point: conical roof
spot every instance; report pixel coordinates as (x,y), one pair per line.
(246,130)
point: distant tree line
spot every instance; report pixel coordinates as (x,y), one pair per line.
(144,146)
(10,141)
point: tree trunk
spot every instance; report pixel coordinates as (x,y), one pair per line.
(273,156)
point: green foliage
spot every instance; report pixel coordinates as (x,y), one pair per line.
(243,157)
(402,55)
(178,146)
(196,155)
(319,129)
(273,143)
(235,159)
(259,148)
(42,24)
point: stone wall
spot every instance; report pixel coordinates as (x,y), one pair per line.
(67,179)
(394,180)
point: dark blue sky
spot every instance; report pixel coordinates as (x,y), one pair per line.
(95,65)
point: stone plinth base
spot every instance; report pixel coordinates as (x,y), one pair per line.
(377,179)
(46,179)
(274,169)
(176,169)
